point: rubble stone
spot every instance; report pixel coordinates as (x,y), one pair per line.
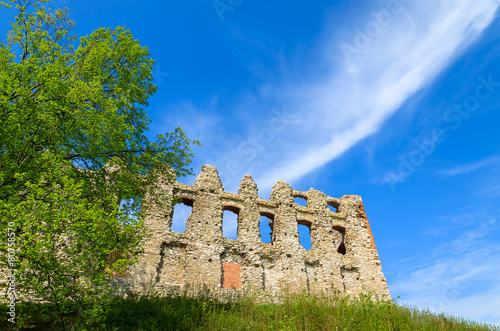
(343,255)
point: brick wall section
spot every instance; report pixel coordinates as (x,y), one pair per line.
(232,276)
(362,214)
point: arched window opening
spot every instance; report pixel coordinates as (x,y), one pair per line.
(230,222)
(333,206)
(265,227)
(304,233)
(181,213)
(340,239)
(300,199)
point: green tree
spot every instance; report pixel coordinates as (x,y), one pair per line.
(73,149)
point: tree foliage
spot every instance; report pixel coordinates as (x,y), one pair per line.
(73,145)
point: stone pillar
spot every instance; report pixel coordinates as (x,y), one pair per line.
(249,235)
(285,231)
(205,222)
(324,244)
(204,232)
(249,217)
(322,238)
(285,238)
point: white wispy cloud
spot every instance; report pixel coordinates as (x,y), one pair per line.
(451,278)
(492,191)
(416,44)
(464,169)
(400,50)
(318,119)
(367,82)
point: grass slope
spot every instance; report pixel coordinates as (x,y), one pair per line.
(297,312)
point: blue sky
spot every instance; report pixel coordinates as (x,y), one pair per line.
(395,101)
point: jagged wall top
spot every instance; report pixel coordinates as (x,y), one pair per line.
(281,208)
(342,253)
(209,179)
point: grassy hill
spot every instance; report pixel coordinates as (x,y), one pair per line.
(297,312)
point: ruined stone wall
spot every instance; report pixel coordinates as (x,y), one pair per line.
(343,255)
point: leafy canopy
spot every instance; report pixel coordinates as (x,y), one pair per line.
(73,145)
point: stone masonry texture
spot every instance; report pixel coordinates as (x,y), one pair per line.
(343,256)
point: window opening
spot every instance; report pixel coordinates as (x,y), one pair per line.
(265,228)
(230,222)
(301,200)
(304,233)
(333,206)
(340,240)
(181,214)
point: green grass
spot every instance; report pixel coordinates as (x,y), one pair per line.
(297,312)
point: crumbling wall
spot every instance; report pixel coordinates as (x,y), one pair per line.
(343,255)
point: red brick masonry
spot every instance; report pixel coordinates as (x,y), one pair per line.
(362,214)
(232,276)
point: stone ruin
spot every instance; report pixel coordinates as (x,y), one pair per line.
(343,256)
